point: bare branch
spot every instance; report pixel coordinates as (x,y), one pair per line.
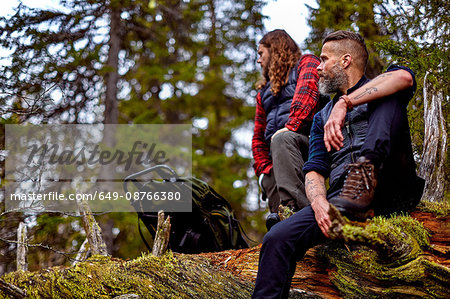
(67,255)
(12,290)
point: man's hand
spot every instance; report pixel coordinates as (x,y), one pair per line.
(321,208)
(278,132)
(333,128)
(317,195)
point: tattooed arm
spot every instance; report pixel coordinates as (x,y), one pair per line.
(381,86)
(384,85)
(317,195)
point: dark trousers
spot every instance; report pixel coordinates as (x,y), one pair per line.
(387,140)
(283,246)
(285,182)
(388,145)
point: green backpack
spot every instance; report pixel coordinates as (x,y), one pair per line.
(211,226)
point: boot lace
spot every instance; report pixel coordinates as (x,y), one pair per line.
(359,180)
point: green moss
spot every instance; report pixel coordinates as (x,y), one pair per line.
(439,209)
(180,276)
(384,258)
(413,228)
(284,212)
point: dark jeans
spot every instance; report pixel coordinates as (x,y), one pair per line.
(285,182)
(283,246)
(388,141)
(388,144)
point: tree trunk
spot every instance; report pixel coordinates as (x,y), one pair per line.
(92,229)
(105,177)
(432,167)
(168,276)
(112,76)
(22,248)
(162,235)
(11,290)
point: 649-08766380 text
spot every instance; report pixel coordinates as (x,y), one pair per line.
(56,196)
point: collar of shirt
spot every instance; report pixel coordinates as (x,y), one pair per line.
(360,83)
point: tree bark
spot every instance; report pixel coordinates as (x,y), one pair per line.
(162,235)
(22,248)
(112,77)
(432,167)
(92,229)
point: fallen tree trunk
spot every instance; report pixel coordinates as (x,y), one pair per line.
(403,256)
(168,276)
(362,264)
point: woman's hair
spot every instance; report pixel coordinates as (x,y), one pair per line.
(284,55)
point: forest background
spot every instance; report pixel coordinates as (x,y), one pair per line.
(194,62)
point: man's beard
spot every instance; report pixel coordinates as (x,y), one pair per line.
(332,82)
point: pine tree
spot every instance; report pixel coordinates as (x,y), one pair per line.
(138,62)
(212,87)
(68,65)
(422,42)
(348,15)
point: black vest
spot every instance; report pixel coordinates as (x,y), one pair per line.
(278,107)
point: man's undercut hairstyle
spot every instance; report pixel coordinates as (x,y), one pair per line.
(284,55)
(352,43)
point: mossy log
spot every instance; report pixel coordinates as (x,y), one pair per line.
(396,257)
(168,276)
(383,258)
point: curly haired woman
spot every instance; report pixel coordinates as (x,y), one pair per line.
(285,105)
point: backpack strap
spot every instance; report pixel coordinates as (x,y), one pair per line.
(244,234)
(142,235)
(164,171)
(191,237)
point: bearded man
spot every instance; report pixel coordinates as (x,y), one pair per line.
(285,106)
(361,142)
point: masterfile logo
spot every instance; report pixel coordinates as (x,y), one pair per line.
(51,167)
(139,155)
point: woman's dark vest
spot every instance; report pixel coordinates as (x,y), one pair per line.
(278,107)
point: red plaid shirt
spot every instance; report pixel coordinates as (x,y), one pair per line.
(303,108)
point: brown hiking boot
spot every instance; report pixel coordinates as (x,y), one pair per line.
(358,191)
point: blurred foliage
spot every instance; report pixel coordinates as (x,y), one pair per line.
(422,43)
(179,62)
(8,230)
(349,15)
